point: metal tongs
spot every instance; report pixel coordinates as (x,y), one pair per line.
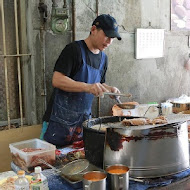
(118,94)
(120,104)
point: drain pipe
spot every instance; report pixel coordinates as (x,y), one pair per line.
(98,99)
(97,9)
(43,18)
(65,4)
(73,20)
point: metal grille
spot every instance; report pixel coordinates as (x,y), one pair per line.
(11,98)
(13,90)
(3,111)
(11,65)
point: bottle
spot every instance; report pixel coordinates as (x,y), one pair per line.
(39,181)
(21,183)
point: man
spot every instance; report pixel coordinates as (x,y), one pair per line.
(79,75)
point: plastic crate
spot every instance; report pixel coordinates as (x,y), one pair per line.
(28,160)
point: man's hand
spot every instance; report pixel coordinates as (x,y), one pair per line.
(114,90)
(97,89)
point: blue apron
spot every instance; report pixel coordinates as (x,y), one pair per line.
(70,109)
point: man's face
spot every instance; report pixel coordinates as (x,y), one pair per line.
(101,41)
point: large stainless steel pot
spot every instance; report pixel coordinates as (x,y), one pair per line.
(147,151)
(94,139)
(150,152)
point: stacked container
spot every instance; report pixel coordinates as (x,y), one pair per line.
(29,160)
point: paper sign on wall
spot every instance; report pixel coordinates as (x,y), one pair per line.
(149,43)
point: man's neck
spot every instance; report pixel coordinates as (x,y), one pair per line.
(90,46)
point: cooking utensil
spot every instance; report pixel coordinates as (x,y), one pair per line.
(118,177)
(120,104)
(49,165)
(171,141)
(118,100)
(124,105)
(118,94)
(94,180)
(75,167)
(135,146)
(73,170)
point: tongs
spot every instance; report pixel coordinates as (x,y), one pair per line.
(118,94)
(120,104)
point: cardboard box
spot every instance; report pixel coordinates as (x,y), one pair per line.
(179,107)
(15,135)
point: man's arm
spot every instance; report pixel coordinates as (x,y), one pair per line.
(67,84)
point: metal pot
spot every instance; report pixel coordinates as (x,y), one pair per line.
(148,152)
(94,139)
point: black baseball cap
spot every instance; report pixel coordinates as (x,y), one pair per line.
(108,24)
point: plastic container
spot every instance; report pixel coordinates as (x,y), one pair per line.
(28,160)
(167,108)
(21,183)
(39,181)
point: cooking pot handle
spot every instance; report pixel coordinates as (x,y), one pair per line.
(87,187)
(178,128)
(120,182)
(178,124)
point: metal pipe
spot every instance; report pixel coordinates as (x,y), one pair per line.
(42,54)
(16,55)
(73,20)
(13,122)
(97,10)
(5,64)
(18,62)
(25,59)
(98,101)
(99,106)
(65,4)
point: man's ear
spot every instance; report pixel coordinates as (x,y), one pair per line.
(93,28)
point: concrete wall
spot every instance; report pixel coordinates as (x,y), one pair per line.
(148,79)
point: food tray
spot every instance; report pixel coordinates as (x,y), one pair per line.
(28,160)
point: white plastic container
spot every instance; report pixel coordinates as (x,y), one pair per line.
(166,108)
(28,160)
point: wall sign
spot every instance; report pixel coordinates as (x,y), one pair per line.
(149,43)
